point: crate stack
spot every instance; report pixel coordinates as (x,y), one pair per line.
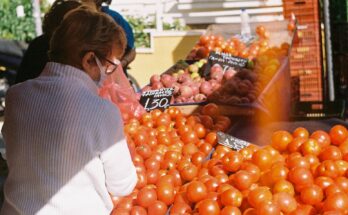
(306,58)
(339,41)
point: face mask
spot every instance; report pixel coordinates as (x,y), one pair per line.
(103,75)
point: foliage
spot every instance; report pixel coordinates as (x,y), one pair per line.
(18,28)
(139,24)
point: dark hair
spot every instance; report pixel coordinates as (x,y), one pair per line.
(56,14)
(100,2)
(84,30)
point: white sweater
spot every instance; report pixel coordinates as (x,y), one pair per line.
(65,146)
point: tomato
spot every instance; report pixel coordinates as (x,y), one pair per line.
(200,130)
(242,180)
(163,120)
(312,160)
(312,195)
(142,180)
(311,146)
(152,176)
(180,208)
(338,134)
(176,177)
(300,177)
(322,137)
(342,167)
(207,121)
(296,143)
(342,182)
(230,210)
(211,110)
(330,153)
(152,164)
(231,197)
(208,207)
(140,137)
(157,208)
(137,210)
(198,158)
(125,203)
(232,161)
(222,178)
(212,184)
(293,162)
(286,202)
(300,132)
(328,168)
(164,140)
(168,164)
(165,193)
(247,153)
(280,140)
(278,172)
(172,155)
(333,188)
(336,202)
(192,120)
(143,150)
(211,138)
(323,181)
(189,172)
(344,147)
(189,149)
(262,159)
(268,208)
(304,210)
(283,186)
(196,191)
(146,197)
(206,148)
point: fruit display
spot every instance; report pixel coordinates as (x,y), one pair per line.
(297,173)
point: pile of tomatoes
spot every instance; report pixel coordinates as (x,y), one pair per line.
(182,169)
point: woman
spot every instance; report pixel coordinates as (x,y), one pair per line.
(36,56)
(65,145)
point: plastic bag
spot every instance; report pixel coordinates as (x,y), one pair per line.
(118,90)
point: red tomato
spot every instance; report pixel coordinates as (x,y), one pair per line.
(196,191)
(304,210)
(200,130)
(287,203)
(176,177)
(146,197)
(206,148)
(252,169)
(125,204)
(262,159)
(312,195)
(231,197)
(232,161)
(300,132)
(311,146)
(296,143)
(333,188)
(157,208)
(328,168)
(137,210)
(278,172)
(211,138)
(284,186)
(293,162)
(143,150)
(342,182)
(152,176)
(322,137)
(323,181)
(280,140)
(338,134)
(168,164)
(198,158)
(152,164)
(330,153)
(230,210)
(189,149)
(163,119)
(336,202)
(242,180)
(300,177)
(268,208)
(180,208)
(165,193)
(208,207)
(142,180)
(189,172)
(212,184)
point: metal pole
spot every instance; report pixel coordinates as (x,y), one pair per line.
(330,74)
(37,17)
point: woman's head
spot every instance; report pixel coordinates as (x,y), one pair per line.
(56,14)
(84,35)
(98,3)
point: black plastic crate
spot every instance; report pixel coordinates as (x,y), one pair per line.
(339,10)
(339,37)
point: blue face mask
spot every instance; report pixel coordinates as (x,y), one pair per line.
(102,70)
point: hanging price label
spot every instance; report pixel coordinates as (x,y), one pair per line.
(156,99)
(231,142)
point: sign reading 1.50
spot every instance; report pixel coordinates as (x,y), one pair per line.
(156,99)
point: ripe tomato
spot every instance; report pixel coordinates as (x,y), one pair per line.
(189,149)
(142,180)
(230,210)
(287,203)
(311,146)
(143,150)
(300,177)
(242,180)
(259,195)
(212,184)
(280,140)
(168,164)
(232,161)
(338,134)
(198,158)
(189,172)
(283,186)
(263,159)
(252,169)
(322,137)
(163,120)
(268,208)
(342,182)
(207,121)
(231,197)
(152,176)
(330,190)
(157,208)
(323,181)
(330,153)
(208,207)
(192,120)
(304,210)
(180,208)
(196,191)
(344,147)
(300,132)
(312,195)
(211,138)
(200,130)
(152,164)
(328,168)
(125,204)
(146,197)
(336,202)
(296,143)
(206,148)
(140,137)
(137,210)
(278,172)
(164,139)
(293,162)
(165,193)
(176,177)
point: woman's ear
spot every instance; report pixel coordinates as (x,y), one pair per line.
(89,65)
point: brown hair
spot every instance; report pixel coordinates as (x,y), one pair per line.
(56,14)
(98,3)
(84,30)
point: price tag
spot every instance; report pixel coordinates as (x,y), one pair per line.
(231,142)
(156,99)
(225,60)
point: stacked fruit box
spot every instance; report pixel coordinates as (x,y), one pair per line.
(339,41)
(305,59)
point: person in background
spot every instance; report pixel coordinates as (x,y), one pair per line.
(36,57)
(65,146)
(130,53)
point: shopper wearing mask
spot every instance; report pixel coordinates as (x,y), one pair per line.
(65,146)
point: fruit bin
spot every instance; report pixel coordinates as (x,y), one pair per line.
(304,10)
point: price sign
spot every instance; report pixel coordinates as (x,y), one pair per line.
(231,142)
(225,60)
(156,99)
